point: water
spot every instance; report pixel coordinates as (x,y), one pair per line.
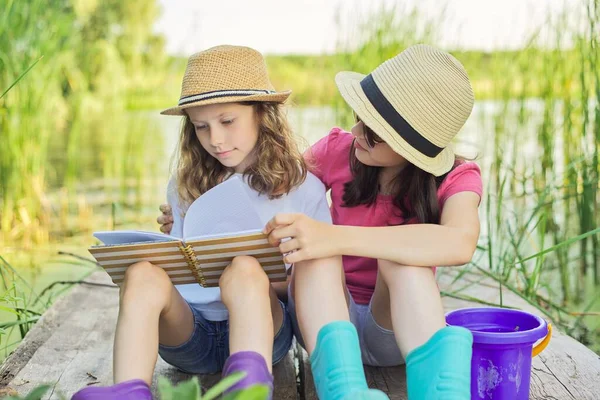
(157,135)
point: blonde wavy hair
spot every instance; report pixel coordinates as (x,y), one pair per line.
(279,165)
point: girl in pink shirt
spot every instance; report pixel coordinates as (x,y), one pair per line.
(402,202)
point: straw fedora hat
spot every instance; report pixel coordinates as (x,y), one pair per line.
(225,74)
(416,102)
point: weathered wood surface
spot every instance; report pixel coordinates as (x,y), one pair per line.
(71,347)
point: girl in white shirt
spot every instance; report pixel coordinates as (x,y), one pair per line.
(234,124)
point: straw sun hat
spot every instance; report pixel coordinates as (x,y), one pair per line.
(416,102)
(225,74)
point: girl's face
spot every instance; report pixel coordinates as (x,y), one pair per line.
(372,150)
(228,132)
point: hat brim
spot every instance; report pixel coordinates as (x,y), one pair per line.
(278,97)
(348,84)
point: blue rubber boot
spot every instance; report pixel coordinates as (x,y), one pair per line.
(441,368)
(337,365)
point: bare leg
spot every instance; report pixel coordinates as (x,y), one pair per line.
(319,294)
(254,310)
(438,358)
(407,300)
(150,309)
(318,289)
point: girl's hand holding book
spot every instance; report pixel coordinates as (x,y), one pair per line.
(165,219)
(309,239)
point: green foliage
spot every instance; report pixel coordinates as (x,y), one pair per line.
(542,171)
(15,302)
(88,55)
(190,390)
(35,394)
(187,390)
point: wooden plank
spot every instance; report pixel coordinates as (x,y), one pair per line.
(76,343)
(389,380)
(307,383)
(566,369)
(71,347)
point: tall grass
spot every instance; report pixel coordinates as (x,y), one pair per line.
(16,304)
(70,151)
(541,237)
(89,56)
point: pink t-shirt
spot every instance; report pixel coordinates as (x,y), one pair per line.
(330,160)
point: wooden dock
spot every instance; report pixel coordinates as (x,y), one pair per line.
(71,347)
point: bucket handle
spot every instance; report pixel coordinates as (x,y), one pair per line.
(542,345)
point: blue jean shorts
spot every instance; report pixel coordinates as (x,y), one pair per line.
(207,349)
(378,345)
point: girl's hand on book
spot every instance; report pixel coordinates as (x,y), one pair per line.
(165,219)
(309,238)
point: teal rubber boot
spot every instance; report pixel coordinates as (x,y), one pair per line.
(441,368)
(337,365)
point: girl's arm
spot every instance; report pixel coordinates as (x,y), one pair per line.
(453,242)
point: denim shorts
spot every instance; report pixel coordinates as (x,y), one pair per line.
(378,345)
(207,349)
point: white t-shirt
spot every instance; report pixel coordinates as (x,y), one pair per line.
(308,198)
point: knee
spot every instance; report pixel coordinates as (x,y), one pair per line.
(391,271)
(244,274)
(144,278)
(385,267)
(329,271)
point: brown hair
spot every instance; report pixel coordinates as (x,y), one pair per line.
(279,165)
(415,190)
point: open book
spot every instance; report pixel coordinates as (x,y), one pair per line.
(218,226)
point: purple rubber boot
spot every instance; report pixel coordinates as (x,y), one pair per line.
(255,367)
(135,389)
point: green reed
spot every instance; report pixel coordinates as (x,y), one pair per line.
(81,59)
(548,211)
(15,301)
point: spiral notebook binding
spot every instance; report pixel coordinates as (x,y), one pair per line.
(193,264)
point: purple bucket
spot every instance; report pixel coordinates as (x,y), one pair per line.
(502,349)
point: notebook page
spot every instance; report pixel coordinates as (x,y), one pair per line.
(224,209)
(111,238)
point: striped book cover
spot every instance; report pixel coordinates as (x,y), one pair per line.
(197,260)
